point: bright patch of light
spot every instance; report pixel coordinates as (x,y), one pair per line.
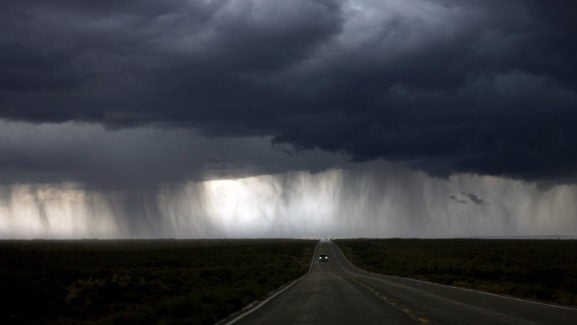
(235,206)
(47,211)
(271,205)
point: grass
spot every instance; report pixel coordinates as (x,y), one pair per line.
(142,281)
(544,270)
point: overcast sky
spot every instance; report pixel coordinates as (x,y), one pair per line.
(136,95)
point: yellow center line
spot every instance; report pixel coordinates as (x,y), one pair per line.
(383,297)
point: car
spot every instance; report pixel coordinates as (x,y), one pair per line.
(323,258)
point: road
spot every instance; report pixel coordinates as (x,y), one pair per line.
(337,292)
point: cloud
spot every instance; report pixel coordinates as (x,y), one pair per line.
(483,87)
(453,197)
(468,197)
(137,158)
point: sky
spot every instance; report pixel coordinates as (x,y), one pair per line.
(302,118)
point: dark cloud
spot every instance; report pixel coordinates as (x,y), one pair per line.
(486,87)
(138,158)
(466,197)
(454,198)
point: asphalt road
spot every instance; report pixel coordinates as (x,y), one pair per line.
(337,292)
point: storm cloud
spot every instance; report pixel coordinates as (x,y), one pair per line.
(483,87)
(136,159)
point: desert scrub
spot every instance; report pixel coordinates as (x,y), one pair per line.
(142,281)
(544,270)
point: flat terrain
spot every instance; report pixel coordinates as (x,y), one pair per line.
(203,281)
(337,292)
(142,281)
(544,270)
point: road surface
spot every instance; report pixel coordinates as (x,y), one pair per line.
(337,292)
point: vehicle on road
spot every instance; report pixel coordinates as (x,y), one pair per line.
(323,258)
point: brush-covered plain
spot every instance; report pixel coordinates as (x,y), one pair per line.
(142,281)
(544,270)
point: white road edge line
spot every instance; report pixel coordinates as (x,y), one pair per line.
(262,303)
(498,295)
(455,287)
(248,312)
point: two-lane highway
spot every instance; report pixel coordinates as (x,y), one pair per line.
(337,292)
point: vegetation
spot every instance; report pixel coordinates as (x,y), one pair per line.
(544,270)
(142,281)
